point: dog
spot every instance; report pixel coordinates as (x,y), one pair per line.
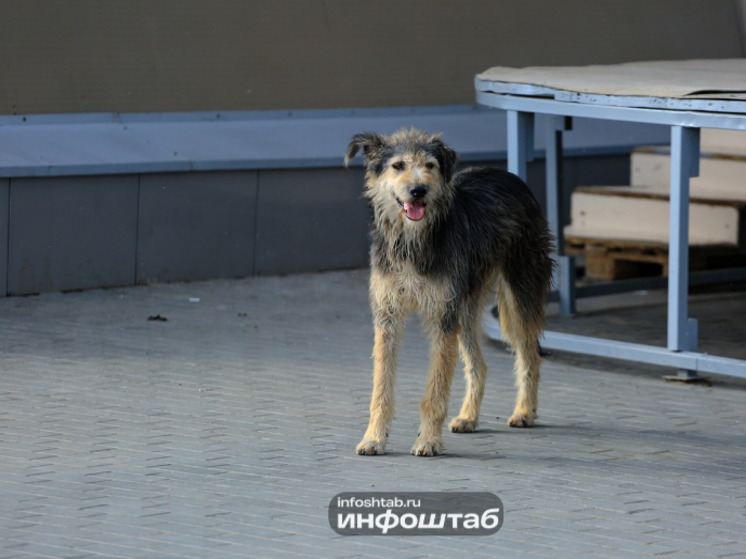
(442,244)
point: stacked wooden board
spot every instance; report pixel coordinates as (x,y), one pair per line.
(623,231)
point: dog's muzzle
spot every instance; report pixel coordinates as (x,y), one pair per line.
(415,208)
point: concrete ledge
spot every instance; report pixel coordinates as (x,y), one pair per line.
(105,144)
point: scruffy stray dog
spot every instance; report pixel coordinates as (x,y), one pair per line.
(441,245)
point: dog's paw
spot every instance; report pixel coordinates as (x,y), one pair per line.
(460,425)
(427,447)
(525,419)
(369,447)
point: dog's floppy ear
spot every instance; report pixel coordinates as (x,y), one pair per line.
(371,143)
(447,158)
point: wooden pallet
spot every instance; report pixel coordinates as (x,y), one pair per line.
(639,213)
(617,259)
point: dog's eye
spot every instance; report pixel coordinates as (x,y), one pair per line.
(429,165)
(399,165)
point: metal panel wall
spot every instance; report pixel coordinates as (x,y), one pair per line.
(196,226)
(311,221)
(98,231)
(71,233)
(4,191)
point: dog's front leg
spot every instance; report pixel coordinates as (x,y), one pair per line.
(434,405)
(385,353)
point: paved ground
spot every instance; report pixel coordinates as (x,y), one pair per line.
(225,430)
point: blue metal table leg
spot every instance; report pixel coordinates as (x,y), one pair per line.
(682,331)
(564,277)
(565,281)
(520,142)
(555,127)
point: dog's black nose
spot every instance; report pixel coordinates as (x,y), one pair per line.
(418,191)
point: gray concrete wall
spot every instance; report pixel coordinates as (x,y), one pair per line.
(4,214)
(194,226)
(70,233)
(192,55)
(310,220)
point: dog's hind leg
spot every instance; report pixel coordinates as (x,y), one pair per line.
(475,369)
(521,322)
(434,405)
(527,371)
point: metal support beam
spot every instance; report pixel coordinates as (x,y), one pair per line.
(681,360)
(564,277)
(705,277)
(520,142)
(566,284)
(556,125)
(668,117)
(684,165)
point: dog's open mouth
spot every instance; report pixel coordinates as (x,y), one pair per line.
(414,210)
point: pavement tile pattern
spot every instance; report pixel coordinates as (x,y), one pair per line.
(218,419)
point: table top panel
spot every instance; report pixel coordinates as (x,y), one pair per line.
(715,85)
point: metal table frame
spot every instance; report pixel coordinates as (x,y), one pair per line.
(681,351)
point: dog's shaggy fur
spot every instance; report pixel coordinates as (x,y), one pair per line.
(441,245)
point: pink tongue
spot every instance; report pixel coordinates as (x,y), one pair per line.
(414,210)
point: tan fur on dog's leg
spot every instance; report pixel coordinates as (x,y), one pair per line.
(527,367)
(523,333)
(475,372)
(434,405)
(385,352)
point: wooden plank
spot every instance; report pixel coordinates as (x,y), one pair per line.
(724,142)
(637,215)
(721,176)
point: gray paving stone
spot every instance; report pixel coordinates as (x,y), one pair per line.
(227,429)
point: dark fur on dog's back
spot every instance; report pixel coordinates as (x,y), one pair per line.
(487,221)
(441,243)
(507,226)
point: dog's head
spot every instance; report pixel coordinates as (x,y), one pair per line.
(408,174)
